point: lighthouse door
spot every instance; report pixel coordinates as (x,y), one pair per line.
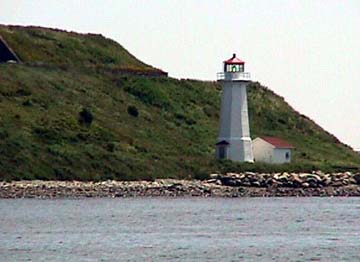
(222,152)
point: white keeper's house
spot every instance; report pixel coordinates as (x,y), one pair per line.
(272,150)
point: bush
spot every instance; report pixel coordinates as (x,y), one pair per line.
(133,111)
(111,147)
(86,117)
(64,174)
(28,102)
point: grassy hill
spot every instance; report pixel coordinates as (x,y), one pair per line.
(53,46)
(66,114)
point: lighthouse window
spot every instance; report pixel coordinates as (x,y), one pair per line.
(234,68)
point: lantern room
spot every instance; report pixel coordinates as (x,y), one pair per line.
(234,70)
(234,65)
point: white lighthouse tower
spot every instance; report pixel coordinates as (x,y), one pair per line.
(234,140)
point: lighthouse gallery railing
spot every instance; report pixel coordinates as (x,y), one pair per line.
(234,76)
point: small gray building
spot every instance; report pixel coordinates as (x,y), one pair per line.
(272,150)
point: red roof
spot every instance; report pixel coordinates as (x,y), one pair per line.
(277,142)
(234,61)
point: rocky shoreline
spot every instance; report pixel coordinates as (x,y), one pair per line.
(228,185)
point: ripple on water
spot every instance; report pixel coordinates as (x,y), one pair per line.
(281,229)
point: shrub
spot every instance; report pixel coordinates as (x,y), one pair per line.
(23,92)
(64,174)
(86,117)
(28,102)
(111,147)
(133,111)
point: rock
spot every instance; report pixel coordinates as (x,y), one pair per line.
(348,174)
(284,179)
(305,184)
(326,181)
(303,175)
(214,176)
(351,180)
(269,181)
(313,176)
(337,183)
(229,181)
(357,178)
(244,183)
(210,181)
(318,173)
(276,176)
(231,185)
(232,175)
(256,183)
(241,176)
(295,178)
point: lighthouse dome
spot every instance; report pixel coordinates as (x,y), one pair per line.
(234,65)
(234,61)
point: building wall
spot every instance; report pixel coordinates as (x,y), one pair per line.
(280,155)
(234,121)
(265,152)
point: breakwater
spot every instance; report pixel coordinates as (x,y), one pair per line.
(246,184)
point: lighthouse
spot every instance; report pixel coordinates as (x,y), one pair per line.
(234,140)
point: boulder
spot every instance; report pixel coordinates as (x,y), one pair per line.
(276,176)
(214,176)
(229,181)
(314,176)
(211,181)
(357,178)
(256,183)
(295,178)
(304,175)
(326,181)
(337,183)
(232,175)
(305,184)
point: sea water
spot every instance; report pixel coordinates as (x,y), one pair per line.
(180,229)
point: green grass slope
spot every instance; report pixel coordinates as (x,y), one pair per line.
(52,46)
(66,122)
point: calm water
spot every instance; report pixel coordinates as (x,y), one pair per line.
(183,229)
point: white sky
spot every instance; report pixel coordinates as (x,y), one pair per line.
(307,51)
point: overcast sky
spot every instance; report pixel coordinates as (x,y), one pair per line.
(306,51)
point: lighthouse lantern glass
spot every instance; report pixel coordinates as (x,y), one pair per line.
(234,68)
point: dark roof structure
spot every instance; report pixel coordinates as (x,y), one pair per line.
(6,53)
(277,142)
(223,143)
